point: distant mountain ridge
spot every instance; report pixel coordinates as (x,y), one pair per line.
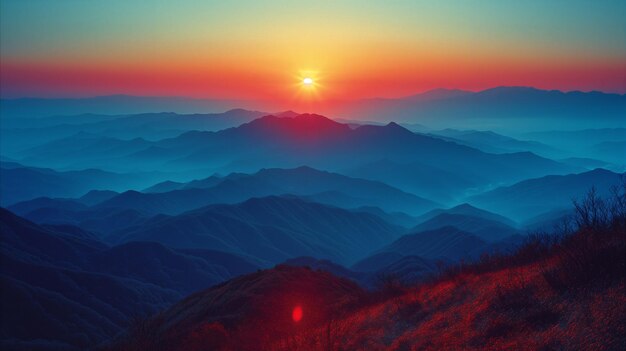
(20,183)
(535,196)
(321,143)
(111,104)
(238,187)
(315,141)
(492,142)
(481,109)
(19,135)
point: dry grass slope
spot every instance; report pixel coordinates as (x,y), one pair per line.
(558,292)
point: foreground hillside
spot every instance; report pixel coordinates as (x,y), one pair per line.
(62,289)
(555,293)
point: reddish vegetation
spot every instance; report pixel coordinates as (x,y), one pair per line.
(252,310)
(553,294)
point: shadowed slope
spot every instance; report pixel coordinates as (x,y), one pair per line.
(550,294)
(486,229)
(301,181)
(532,197)
(64,290)
(273,229)
(260,305)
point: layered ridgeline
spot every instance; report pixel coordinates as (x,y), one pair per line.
(444,236)
(20,183)
(439,107)
(70,273)
(107,212)
(175,197)
(521,107)
(563,293)
(121,216)
(65,289)
(533,197)
(271,229)
(322,186)
(444,170)
(21,135)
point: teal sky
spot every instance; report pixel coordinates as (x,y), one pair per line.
(359,48)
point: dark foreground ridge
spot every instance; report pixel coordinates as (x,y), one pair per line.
(555,293)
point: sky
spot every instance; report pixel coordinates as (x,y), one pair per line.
(264,49)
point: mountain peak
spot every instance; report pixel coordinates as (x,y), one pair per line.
(600,170)
(238,111)
(303,170)
(394,125)
(303,127)
(439,93)
(465,207)
(509,90)
(288,114)
(314,117)
(395,128)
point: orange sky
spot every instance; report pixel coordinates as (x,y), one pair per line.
(262,50)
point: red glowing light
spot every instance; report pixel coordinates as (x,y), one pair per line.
(296,314)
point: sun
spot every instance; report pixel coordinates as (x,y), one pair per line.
(308,85)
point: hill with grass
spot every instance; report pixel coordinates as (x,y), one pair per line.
(556,292)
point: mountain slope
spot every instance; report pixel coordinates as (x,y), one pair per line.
(486,229)
(272,229)
(304,139)
(20,183)
(492,142)
(149,126)
(324,144)
(565,294)
(80,292)
(446,242)
(41,277)
(535,196)
(266,300)
(239,187)
(429,181)
(467,210)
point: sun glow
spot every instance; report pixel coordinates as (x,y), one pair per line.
(309,87)
(308,79)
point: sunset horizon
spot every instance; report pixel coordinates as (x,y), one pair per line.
(285,175)
(393,97)
(355,51)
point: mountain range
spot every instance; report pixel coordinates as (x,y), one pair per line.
(532,197)
(272,229)
(420,164)
(20,183)
(521,106)
(20,135)
(390,224)
(87,291)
